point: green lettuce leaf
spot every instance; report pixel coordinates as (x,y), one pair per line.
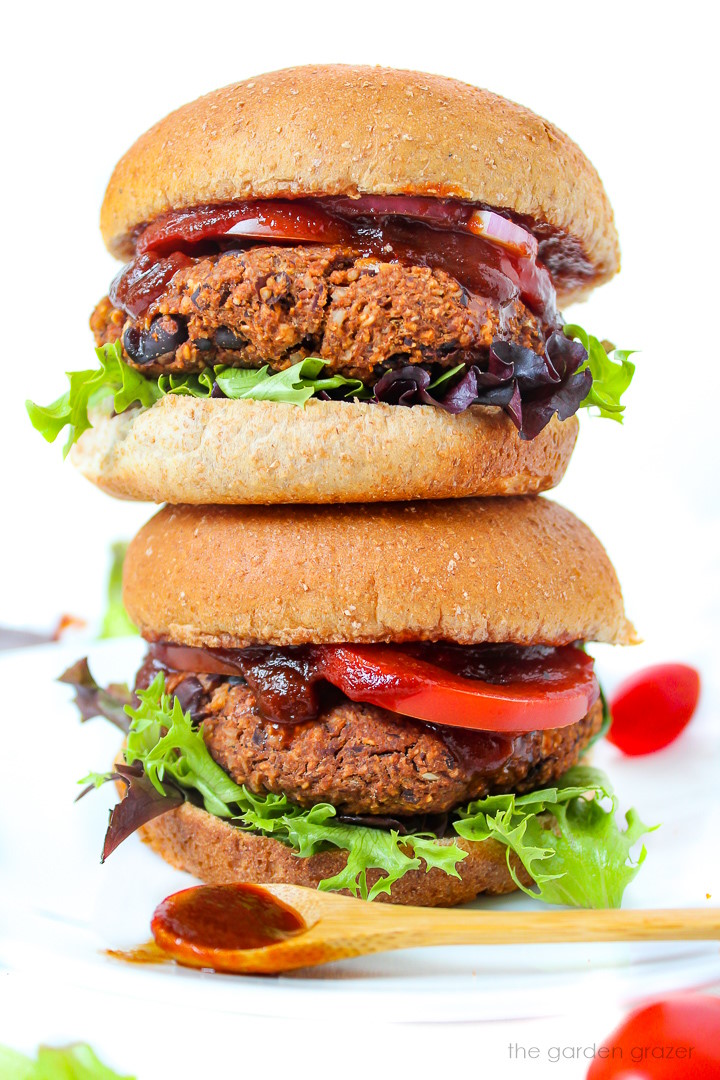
(199,386)
(77,1062)
(611,373)
(127,387)
(313,830)
(566,837)
(296,384)
(114,378)
(116,621)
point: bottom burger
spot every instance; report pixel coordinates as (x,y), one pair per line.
(389,700)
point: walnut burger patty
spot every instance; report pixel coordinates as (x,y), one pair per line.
(310,313)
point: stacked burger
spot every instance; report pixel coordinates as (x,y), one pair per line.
(335,353)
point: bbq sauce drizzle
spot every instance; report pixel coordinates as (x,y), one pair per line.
(484,268)
(287,682)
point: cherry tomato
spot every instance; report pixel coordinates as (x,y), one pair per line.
(673,1039)
(651,708)
(549,694)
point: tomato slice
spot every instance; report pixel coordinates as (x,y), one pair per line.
(295,221)
(555,692)
(652,707)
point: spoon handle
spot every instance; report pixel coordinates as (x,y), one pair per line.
(520,927)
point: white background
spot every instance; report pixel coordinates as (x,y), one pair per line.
(634,84)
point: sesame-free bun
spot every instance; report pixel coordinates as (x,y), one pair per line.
(216,852)
(191,450)
(521,570)
(346,130)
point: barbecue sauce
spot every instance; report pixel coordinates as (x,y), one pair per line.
(285,680)
(487,270)
(143,280)
(203,926)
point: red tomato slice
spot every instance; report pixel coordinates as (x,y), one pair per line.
(668,1040)
(550,695)
(262,220)
(651,708)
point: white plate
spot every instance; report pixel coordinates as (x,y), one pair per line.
(60,909)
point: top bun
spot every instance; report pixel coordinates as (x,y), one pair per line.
(346,130)
(521,570)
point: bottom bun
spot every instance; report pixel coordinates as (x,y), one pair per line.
(187,450)
(218,853)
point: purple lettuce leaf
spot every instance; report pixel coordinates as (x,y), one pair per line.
(140,803)
(529,386)
(92,700)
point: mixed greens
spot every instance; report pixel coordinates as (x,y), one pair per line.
(76,1062)
(127,388)
(116,621)
(576,372)
(566,837)
(612,372)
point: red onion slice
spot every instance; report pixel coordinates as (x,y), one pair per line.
(500,230)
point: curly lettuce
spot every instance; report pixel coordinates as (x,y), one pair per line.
(612,373)
(566,837)
(172,754)
(88,389)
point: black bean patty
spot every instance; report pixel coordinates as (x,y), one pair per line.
(277,305)
(367,760)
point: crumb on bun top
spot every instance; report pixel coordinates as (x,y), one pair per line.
(346,130)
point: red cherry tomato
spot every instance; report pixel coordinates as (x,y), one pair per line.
(673,1039)
(550,693)
(652,707)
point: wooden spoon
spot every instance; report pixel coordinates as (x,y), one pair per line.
(203,927)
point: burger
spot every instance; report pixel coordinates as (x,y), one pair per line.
(343,284)
(389,700)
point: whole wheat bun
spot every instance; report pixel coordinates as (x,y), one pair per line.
(217,853)
(346,130)
(190,450)
(522,570)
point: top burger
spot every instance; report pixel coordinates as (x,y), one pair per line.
(314,250)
